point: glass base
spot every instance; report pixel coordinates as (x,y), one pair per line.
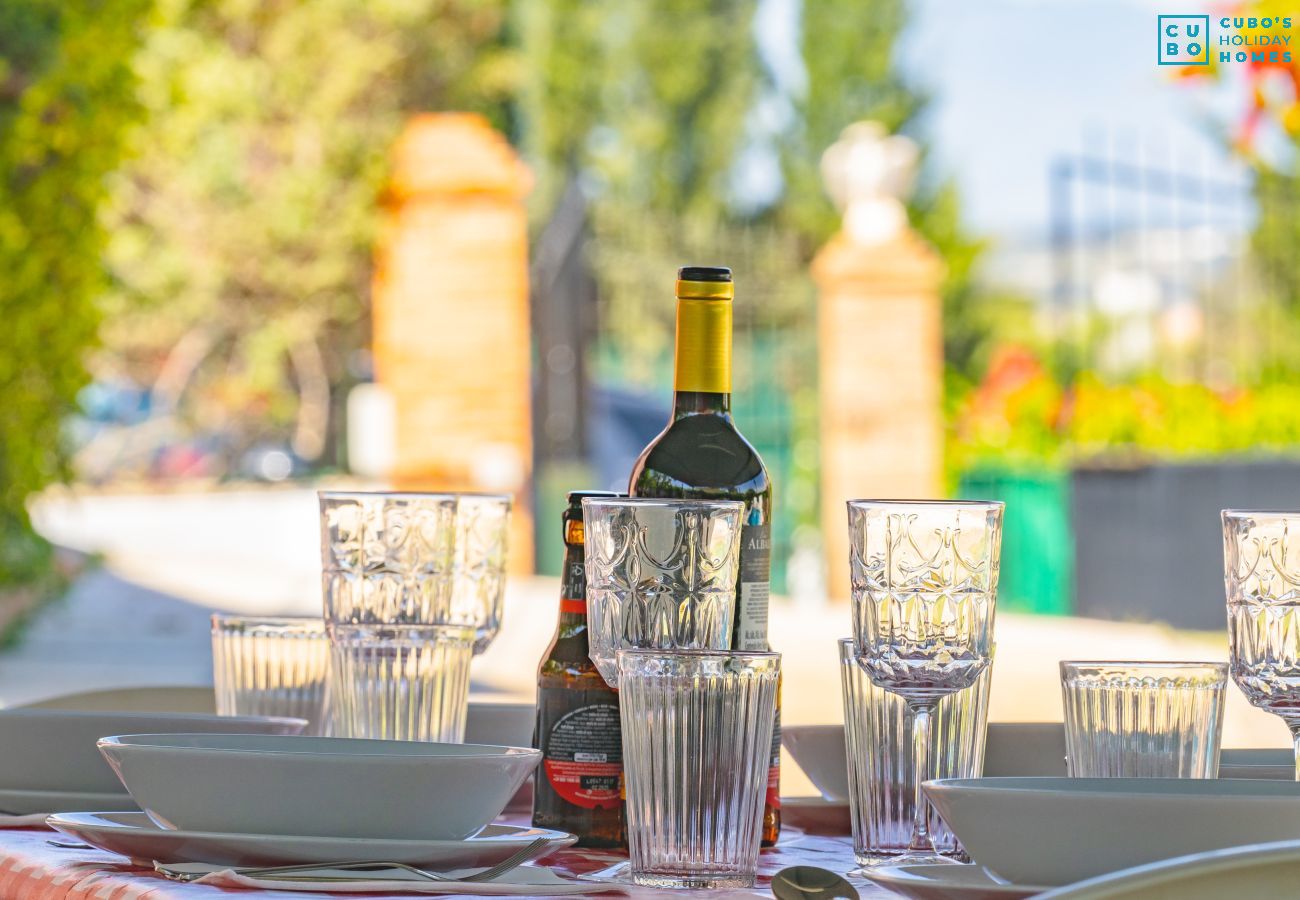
(907,858)
(692,881)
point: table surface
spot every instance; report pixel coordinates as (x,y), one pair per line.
(33,869)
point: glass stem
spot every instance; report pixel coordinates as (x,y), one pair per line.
(921,712)
(1295,739)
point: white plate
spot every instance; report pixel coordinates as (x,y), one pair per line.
(1278,765)
(135,836)
(26,803)
(1259,872)
(941,881)
(1057,831)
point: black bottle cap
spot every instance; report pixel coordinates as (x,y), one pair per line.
(704,273)
(575,497)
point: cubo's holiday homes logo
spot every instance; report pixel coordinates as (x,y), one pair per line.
(1184,40)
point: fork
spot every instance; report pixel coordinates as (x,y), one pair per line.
(289,873)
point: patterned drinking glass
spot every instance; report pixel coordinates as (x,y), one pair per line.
(882,780)
(401,682)
(1143,719)
(479,567)
(661,575)
(697,736)
(266,666)
(387,559)
(925,580)
(1261,574)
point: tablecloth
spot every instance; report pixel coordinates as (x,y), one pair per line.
(31,868)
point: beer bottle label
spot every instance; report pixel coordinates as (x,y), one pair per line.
(582,756)
(773,797)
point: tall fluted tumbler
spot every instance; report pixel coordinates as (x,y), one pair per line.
(401,682)
(882,777)
(697,731)
(271,666)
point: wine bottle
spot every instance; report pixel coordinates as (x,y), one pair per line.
(702,455)
(579,785)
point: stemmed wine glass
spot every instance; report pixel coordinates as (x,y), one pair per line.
(925,580)
(1261,576)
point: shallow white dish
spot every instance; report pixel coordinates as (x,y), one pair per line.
(26,803)
(500,724)
(169,699)
(1012,748)
(1056,831)
(54,750)
(1278,765)
(332,787)
(942,881)
(135,836)
(1258,872)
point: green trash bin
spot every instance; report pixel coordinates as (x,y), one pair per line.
(1037,543)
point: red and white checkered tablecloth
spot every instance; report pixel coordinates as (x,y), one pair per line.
(31,868)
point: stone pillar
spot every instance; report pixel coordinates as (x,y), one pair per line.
(451,316)
(880,380)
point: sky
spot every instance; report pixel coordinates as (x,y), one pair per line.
(1018,83)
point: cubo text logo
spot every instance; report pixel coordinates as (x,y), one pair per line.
(1184,40)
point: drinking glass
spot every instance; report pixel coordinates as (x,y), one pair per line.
(882,788)
(387,559)
(697,733)
(925,579)
(1261,574)
(661,574)
(1143,719)
(401,682)
(479,565)
(264,666)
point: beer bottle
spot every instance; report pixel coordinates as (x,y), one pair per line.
(579,785)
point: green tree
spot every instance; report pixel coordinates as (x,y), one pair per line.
(67,95)
(244,227)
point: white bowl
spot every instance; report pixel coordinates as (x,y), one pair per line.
(1012,748)
(1060,830)
(500,724)
(328,787)
(54,750)
(1257,763)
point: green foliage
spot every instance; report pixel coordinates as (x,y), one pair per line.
(243,230)
(66,97)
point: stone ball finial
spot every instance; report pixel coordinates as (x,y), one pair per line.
(868,172)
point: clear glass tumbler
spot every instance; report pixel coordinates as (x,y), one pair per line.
(1143,719)
(269,666)
(387,558)
(1261,575)
(882,780)
(479,565)
(925,583)
(697,735)
(401,682)
(661,574)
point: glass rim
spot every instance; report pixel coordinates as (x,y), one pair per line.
(881,503)
(1257,513)
(663,501)
(454,629)
(694,653)
(229,619)
(1145,663)
(411,495)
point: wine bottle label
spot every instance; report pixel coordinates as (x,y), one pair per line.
(755,576)
(582,756)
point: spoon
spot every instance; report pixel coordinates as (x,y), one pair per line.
(811,883)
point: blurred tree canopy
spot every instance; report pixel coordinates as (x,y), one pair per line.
(67,95)
(243,225)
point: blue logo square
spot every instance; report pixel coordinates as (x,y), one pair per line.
(1183,40)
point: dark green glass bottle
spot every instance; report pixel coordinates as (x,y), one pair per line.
(702,455)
